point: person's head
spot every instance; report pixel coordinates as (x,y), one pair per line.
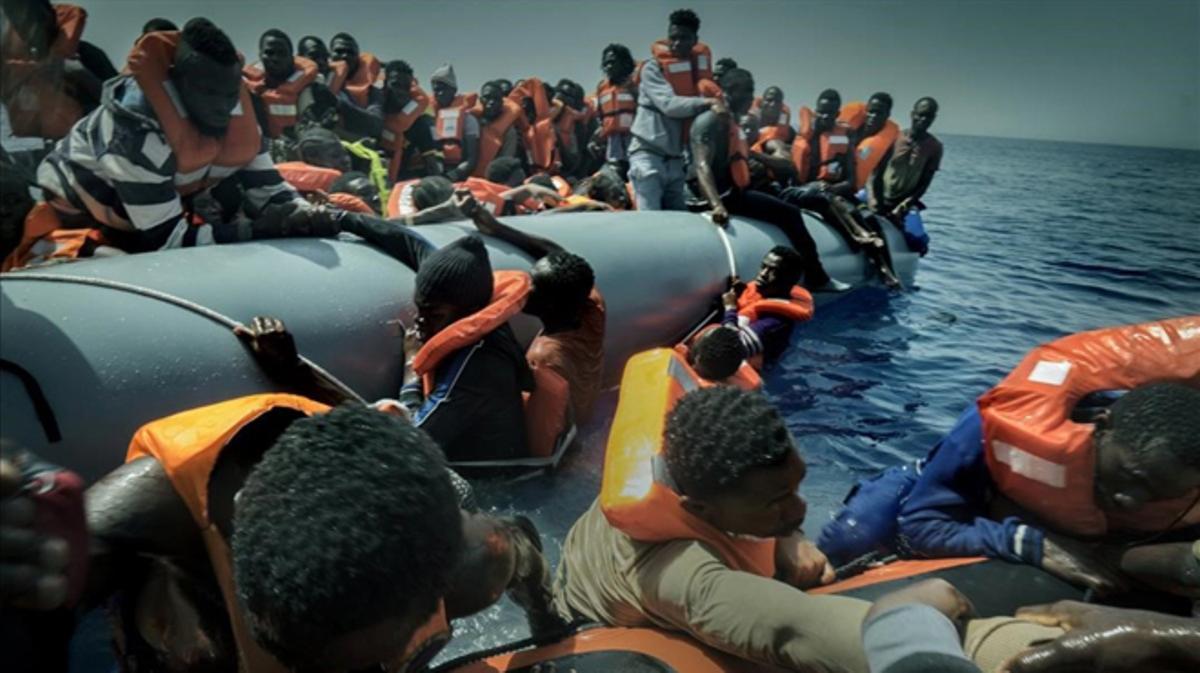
(398,78)
(722,66)
(617,63)
(15,204)
(569,93)
(275,53)
(323,111)
(738,87)
(318,146)
(1148,446)
(923,113)
(344,48)
(158,24)
(772,105)
(607,186)
(451,284)
(506,86)
(749,123)
(781,269)
(562,282)
(207,73)
(506,171)
(432,190)
(718,353)
(683,32)
(358,184)
(879,108)
(444,84)
(735,463)
(491,98)
(345,537)
(829,104)
(313,48)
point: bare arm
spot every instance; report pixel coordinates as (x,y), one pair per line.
(1172,567)
(779,161)
(532,245)
(702,155)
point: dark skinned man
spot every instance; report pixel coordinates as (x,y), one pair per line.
(906,171)
(407,132)
(721,175)
(356,82)
(456,128)
(279,83)
(766,310)
(501,123)
(774,116)
(874,134)
(313,48)
(137,158)
(616,106)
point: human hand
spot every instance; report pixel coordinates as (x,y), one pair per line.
(412,344)
(730,299)
(799,562)
(719,108)
(465,201)
(33,565)
(272,344)
(720,216)
(936,593)
(1079,564)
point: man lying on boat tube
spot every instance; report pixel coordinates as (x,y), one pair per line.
(288,534)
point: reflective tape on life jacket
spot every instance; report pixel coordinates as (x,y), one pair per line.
(32,86)
(1042,460)
(739,154)
(195,153)
(509,292)
(635,493)
(745,378)
(617,105)
(784,119)
(282,101)
(396,124)
(869,151)
(752,305)
(449,126)
(834,148)
(350,203)
(540,137)
(187,445)
(684,74)
(491,134)
(306,177)
(400,201)
(359,85)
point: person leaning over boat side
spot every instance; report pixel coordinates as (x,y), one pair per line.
(127,166)
(280,83)
(456,128)
(765,310)
(1046,469)
(906,171)
(666,100)
(719,173)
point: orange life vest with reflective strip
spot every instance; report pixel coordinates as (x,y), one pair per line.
(617,105)
(450,122)
(540,136)
(1042,460)
(32,89)
(281,102)
(396,124)
(491,134)
(684,74)
(739,154)
(635,494)
(45,239)
(350,203)
(784,119)
(746,377)
(188,445)
(195,153)
(751,304)
(306,177)
(359,86)
(869,151)
(834,146)
(400,200)
(769,133)
(487,193)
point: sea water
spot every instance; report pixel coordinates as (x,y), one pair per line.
(1032,240)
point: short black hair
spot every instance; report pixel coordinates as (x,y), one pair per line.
(311,38)
(344,36)
(543,180)
(277,34)
(791,261)
(622,53)
(927,99)
(205,38)
(398,65)
(883,97)
(734,77)
(1160,416)
(431,191)
(830,94)
(568,283)
(158,24)
(501,170)
(718,353)
(685,18)
(349,519)
(727,62)
(715,436)
(342,184)
(775,87)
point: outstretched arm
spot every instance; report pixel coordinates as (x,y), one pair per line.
(532,245)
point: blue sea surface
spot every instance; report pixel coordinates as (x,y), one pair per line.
(1032,240)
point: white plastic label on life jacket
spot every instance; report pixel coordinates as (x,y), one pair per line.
(603,100)
(448,123)
(489,206)
(1030,466)
(408,109)
(702,62)
(282,110)
(625,96)
(839,140)
(1050,373)
(625,120)
(679,66)
(388,135)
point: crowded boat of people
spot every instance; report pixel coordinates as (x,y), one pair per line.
(307,504)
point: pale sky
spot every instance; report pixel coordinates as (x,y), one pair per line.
(1108,71)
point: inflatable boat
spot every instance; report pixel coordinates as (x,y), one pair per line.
(93,349)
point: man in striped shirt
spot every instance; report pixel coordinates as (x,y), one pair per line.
(177,124)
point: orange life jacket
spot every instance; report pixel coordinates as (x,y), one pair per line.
(684,74)
(540,136)
(869,151)
(45,239)
(491,134)
(359,86)
(739,154)
(1042,460)
(768,133)
(450,124)
(746,377)
(396,124)
(834,148)
(617,105)
(350,203)
(635,494)
(562,186)
(752,305)
(32,89)
(400,200)
(487,193)
(281,102)
(785,114)
(195,153)
(306,177)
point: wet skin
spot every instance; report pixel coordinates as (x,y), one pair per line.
(764,502)
(773,279)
